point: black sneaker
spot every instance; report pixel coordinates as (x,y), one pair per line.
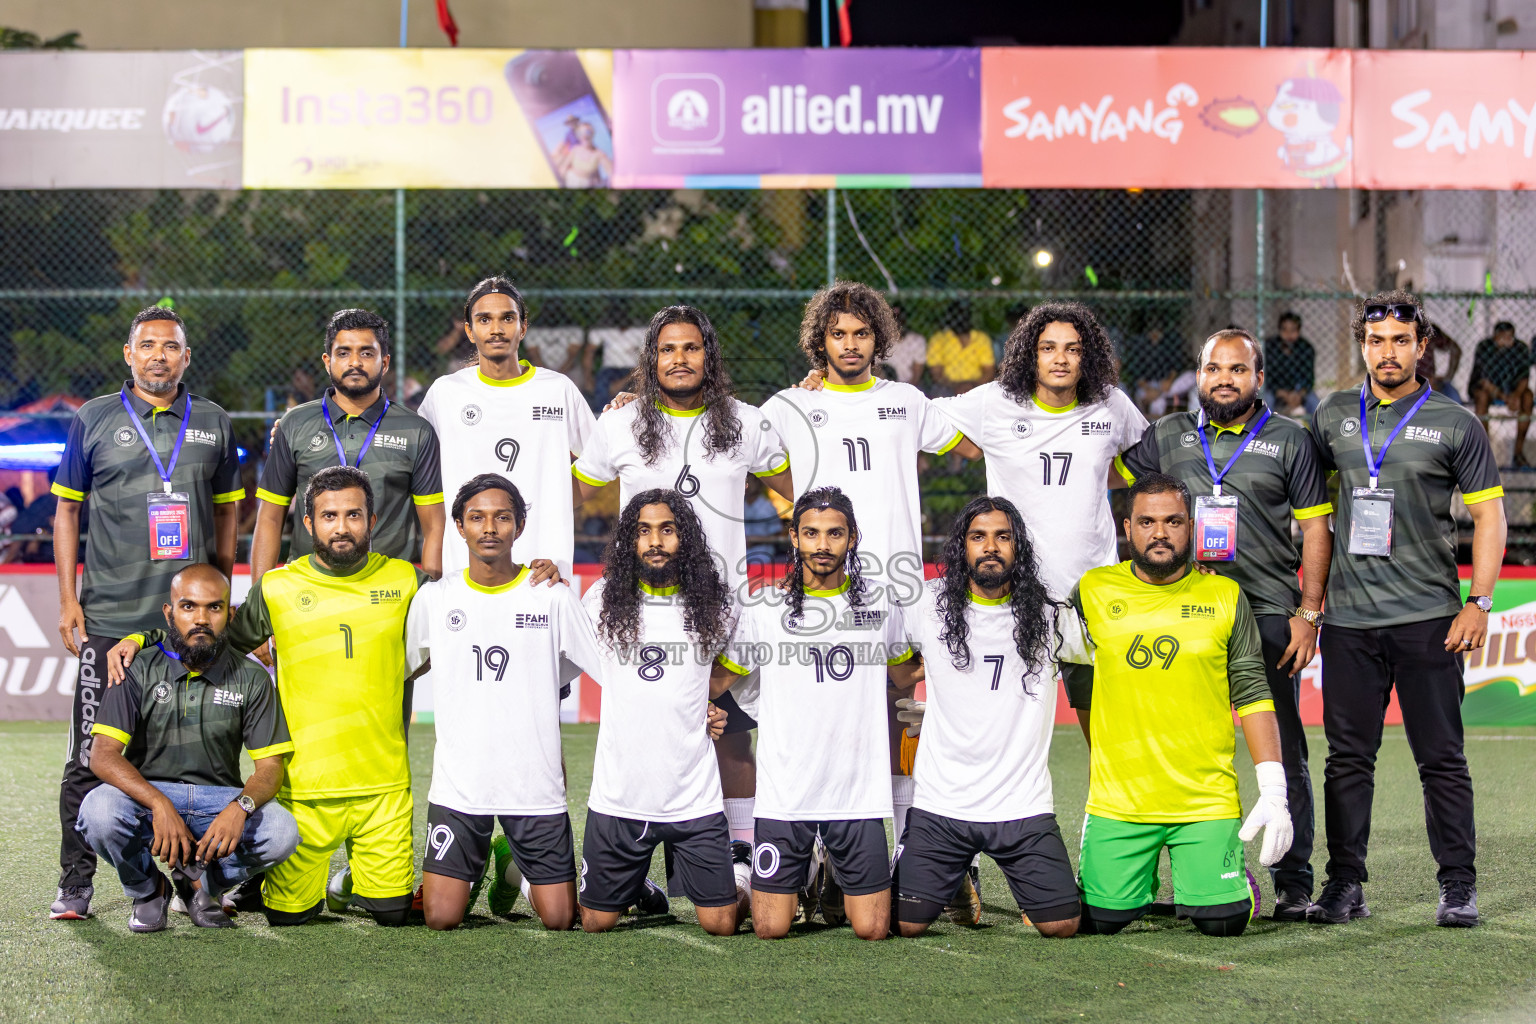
(653,900)
(73,904)
(1342,901)
(1291,905)
(741,868)
(1458,905)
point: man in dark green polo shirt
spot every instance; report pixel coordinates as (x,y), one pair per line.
(160,470)
(355,424)
(1501,372)
(168,750)
(1236,447)
(1395,613)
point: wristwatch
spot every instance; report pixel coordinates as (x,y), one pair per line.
(1483,603)
(1313,619)
(246,804)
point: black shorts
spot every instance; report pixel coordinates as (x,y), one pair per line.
(736,720)
(781,854)
(935,852)
(459,843)
(616,856)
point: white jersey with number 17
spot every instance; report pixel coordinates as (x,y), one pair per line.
(1054,465)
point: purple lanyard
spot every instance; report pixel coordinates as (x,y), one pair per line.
(1374,462)
(1217,478)
(367,442)
(138,428)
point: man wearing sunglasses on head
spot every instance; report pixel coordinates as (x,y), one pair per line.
(1395,613)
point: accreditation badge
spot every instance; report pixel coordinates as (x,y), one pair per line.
(170,526)
(1216,528)
(1370,521)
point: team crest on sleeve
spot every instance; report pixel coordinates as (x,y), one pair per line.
(457,619)
(1189,439)
(162,693)
(1116,609)
(470,415)
(306,600)
(317,442)
(1021,428)
(124,437)
(818,417)
(1349,427)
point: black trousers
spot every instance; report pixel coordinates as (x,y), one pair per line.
(1294,870)
(1360,669)
(77,861)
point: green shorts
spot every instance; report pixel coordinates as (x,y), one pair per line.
(1118,865)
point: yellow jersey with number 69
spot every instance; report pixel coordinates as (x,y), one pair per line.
(1170,662)
(340,671)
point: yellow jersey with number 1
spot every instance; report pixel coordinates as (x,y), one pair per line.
(1170,663)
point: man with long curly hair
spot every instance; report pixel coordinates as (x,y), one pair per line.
(988,635)
(1051,427)
(686,431)
(822,655)
(662,613)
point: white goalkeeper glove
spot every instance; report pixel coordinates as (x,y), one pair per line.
(911,712)
(1271,813)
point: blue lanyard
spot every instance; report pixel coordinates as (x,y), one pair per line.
(169,654)
(1374,462)
(367,442)
(138,428)
(1217,478)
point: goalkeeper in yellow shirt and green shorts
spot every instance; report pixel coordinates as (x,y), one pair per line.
(338,617)
(1174,650)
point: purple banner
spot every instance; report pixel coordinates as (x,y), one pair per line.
(682,115)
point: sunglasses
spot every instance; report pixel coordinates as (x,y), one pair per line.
(1404,311)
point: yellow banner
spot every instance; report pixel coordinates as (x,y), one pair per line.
(439,118)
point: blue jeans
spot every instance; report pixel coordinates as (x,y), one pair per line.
(121,831)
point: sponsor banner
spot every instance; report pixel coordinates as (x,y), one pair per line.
(1429,119)
(120,120)
(438,118)
(796,118)
(1166,118)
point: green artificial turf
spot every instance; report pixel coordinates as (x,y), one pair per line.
(1395,966)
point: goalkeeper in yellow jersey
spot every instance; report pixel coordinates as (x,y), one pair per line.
(338,617)
(1174,651)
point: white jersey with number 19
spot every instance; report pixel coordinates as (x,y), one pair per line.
(526,429)
(1054,465)
(865,439)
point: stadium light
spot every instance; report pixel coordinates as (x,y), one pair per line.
(1043,258)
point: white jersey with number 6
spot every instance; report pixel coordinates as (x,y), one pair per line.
(655,760)
(823,745)
(500,657)
(1054,465)
(986,741)
(526,429)
(715,485)
(865,439)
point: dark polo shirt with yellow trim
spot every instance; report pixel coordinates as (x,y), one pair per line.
(1278,476)
(181,726)
(1443,449)
(403,464)
(106,465)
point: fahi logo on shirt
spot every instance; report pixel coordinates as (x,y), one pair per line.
(1429,435)
(549,413)
(207,437)
(385,596)
(396,442)
(859,618)
(895,412)
(528,620)
(1098,428)
(1264,448)
(1197,611)
(228,699)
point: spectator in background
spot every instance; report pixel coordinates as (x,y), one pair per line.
(619,343)
(1289,368)
(1501,372)
(456,349)
(1440,371)
(301,387)
(909,355)
(37,518)
(764,528)
(561,346)
(960,358)
(1164,372)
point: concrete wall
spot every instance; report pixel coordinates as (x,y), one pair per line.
(230,24)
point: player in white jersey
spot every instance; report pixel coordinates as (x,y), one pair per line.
(1051,427)
(846,428)
(988,635)
(662,612)
(821,649)
(685,431)
(506,416)
(502,651)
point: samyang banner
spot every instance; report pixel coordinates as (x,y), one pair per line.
(775,118)
(167,119)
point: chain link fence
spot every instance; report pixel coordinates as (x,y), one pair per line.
(256,275)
